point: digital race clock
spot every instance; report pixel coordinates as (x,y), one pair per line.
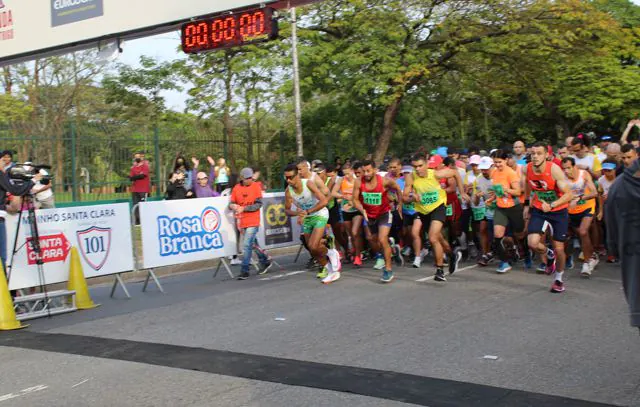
(229,30)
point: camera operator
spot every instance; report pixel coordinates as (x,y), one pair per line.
(42,191)
(6,187)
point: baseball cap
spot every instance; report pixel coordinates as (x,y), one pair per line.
(246,173)
(606,137)
(608,166)
(485,163)
(442,151)
(434,161)
(475,160)
(406,169)
(319,167)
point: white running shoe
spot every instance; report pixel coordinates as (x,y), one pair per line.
(406,251)
(586,270)
(417,262)
(236,262)
(333,276)
(334,259)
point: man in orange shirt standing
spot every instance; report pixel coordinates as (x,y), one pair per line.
(246,201)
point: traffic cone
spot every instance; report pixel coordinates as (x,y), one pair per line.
(78,283)
(8,319)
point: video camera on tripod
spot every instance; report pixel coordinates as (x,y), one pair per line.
(26,171)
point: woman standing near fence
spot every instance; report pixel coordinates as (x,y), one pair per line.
(180,180)
(223,174)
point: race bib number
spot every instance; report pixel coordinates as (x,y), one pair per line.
(499,190)
(449,210)
(547,196)
(429,198)
(581,202)
(372,198)
(479,213)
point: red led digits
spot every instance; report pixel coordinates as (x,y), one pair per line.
(229,30)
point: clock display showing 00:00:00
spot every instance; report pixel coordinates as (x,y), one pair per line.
(229,31)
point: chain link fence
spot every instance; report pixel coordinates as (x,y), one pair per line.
(91,161)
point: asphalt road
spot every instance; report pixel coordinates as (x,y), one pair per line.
(480,339)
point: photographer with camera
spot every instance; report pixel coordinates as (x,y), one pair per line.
(17,190)
(42,191)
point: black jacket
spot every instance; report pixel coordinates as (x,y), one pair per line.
(623,234)
(7,186)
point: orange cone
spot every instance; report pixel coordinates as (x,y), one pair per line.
(8,319)
(78,283)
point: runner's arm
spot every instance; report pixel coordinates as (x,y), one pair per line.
(408,188)
(322,198)
(355,199)
(600,203)
(592,188)
(321,186)
(288,203)
(391,184)
(563,186)
(335,192)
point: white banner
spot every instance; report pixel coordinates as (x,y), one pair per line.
(101,233)
(182,231)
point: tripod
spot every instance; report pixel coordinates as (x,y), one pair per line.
(28,204)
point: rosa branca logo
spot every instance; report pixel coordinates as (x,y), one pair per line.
(190,234)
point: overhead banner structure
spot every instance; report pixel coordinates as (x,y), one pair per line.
(183,231)
(278,229)
(101,233)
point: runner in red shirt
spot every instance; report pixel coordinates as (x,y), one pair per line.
(372,200)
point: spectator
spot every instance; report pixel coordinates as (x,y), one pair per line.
(223,175)
(140,181)
(203,185)
(7,157)
(42,191)
(180,180)
(629,155)
(246,201)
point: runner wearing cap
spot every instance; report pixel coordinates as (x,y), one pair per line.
(483,212)
(581,210)
(551,198)
(454,205)
(607,179)
(466,221)
(394,172)
(422,187)
(408,213)
(371,198)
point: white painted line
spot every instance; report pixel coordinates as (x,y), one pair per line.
(78,384)
(490,357)
(421,280)
(23,392)
(277,276)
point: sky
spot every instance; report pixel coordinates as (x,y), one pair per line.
(165,47)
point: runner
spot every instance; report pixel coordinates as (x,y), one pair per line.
(422,187)
(552,195)
(509,212)
(408,213)
(483,213)
(585,160)
(336,238)
(394,173)
(343,191)
(609,167)
(581,210)
(371,193)
(312,215)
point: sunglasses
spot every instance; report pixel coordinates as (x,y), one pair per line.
(202,179)
(290,177)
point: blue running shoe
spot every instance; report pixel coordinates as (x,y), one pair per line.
(387,276)
(528,263)
(504,267)
(569,265)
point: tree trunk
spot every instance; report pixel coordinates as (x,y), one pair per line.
(388,126)
(8,80)
(226,120)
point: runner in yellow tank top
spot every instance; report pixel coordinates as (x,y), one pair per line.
(423,188)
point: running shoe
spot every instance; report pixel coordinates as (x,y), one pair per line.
(357,261)
(581,256)
(595,260)
(439,275)
(387,276)
(551,262)
(323,273)
(541,268)
(557,287)
(424,253)
(334,259)
(312,263)
(333,276)
(243,276)
(264,268)
(379,262)
(586,270)
(504,267)
(528,263)
(445,261)
(406,251)
(364,255)
(417,262)
(455,260)
(236,261)
(569,264)
(611,259)
(484,260)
